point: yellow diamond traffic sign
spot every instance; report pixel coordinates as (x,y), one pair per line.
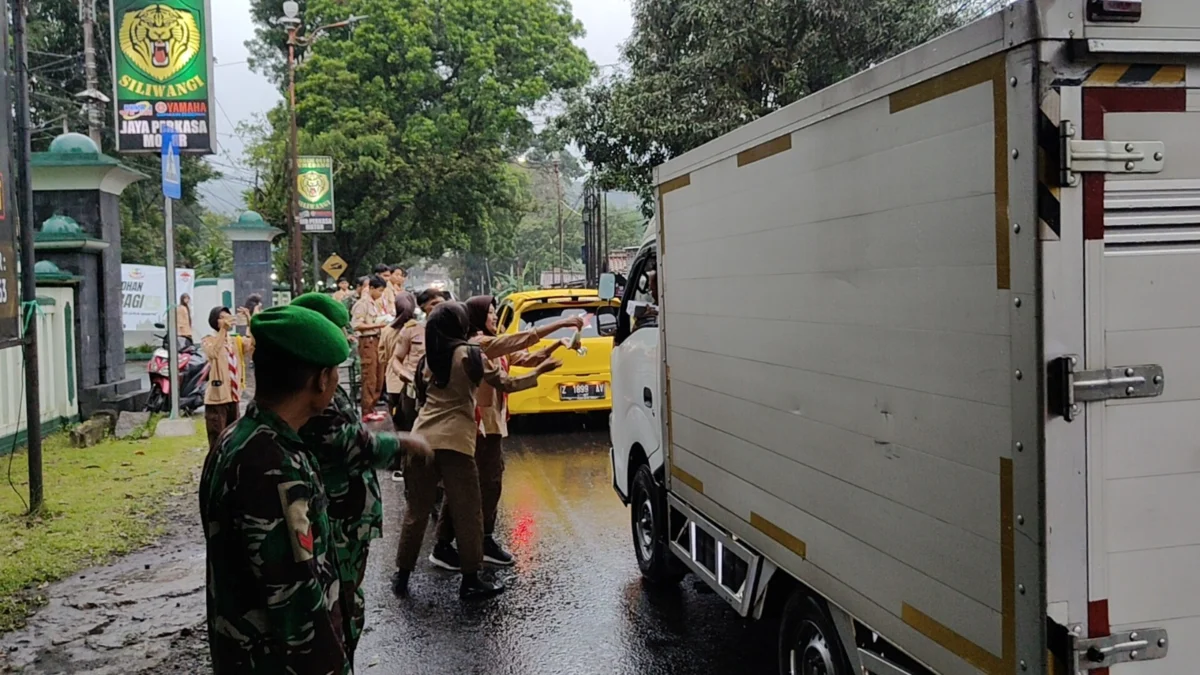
(334,266)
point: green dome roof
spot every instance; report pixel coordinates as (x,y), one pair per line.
(251,219)
(72,143)
(46,267)
(61,226)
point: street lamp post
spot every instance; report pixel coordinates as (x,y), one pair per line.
(291,20)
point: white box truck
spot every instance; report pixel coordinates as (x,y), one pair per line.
(914,363)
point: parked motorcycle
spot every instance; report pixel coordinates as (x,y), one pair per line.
(193,376)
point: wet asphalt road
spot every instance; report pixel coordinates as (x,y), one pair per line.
(575,601)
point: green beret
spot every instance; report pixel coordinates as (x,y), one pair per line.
(301,333)
(326,306)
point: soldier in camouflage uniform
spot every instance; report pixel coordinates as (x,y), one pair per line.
(272,583)
(348,454)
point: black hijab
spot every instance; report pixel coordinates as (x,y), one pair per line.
(478,308)
(447,329)
(406,309)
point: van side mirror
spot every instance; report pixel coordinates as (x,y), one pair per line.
(606,324)
(608,286)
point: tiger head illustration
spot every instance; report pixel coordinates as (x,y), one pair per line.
(159,40)
(313,185)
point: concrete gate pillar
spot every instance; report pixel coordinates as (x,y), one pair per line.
(76,191)
(251,238)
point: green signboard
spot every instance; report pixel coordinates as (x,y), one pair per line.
(314,188)
(162,53)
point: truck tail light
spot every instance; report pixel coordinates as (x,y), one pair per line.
(1125,11)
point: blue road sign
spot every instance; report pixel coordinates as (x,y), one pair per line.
(172,172)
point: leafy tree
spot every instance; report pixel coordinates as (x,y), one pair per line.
(693,70)
(421,106)
(534,245)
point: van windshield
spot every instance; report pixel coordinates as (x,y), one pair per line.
(542,316)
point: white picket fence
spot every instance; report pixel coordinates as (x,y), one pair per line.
(57,370)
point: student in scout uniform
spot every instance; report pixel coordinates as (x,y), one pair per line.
(223,394)
(343,290)
(447,381)
(367,321)
(405,354)
(501,352)
(183,318)
(399,279)
(272,585)
(406,308)
(347,455)
(388,300)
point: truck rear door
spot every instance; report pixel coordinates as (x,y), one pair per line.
(1139,393)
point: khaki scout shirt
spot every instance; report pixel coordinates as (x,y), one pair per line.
(503,351)
(447,420)
(404,347)
(219,351)
(366,312)
(183,322)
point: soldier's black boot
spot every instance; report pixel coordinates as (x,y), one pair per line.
(400,583)
(476,588)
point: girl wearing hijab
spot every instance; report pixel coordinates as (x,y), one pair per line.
(396,382)
(501,352)
(447,380)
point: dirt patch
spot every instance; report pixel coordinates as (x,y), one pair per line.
(142,613)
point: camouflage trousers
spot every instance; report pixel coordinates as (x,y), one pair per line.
(354,602)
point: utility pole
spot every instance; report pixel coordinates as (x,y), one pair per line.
(291,19)
(559,200)
(296,248)
(93,97)
(316,264)
(24,195)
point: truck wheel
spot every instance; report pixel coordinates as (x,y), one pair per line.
(648,519)
(808,641)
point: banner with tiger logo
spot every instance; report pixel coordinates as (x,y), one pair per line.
(162,56)
(314,191)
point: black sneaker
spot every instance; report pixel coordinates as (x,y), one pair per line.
(476,588)
(494,553)
(400,583)
(445,556)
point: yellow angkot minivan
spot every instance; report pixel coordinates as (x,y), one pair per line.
(582,384)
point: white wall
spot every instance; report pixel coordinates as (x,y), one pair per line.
(57,369)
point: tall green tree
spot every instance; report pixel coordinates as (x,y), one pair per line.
(422,106)
(693,70)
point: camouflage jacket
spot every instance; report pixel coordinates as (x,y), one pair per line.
(273,603)
(348,455)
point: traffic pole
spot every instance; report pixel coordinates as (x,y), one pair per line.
(172,322)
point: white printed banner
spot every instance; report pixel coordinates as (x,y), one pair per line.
(144,294)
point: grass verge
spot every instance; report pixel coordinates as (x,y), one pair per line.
(100,502)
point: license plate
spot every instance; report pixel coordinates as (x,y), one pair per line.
(581,392)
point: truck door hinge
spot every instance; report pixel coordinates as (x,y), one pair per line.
(1093,156)
(1067,388)
(1145,644)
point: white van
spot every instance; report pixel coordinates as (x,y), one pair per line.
(917,368)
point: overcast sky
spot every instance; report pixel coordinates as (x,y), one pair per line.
(242,94)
